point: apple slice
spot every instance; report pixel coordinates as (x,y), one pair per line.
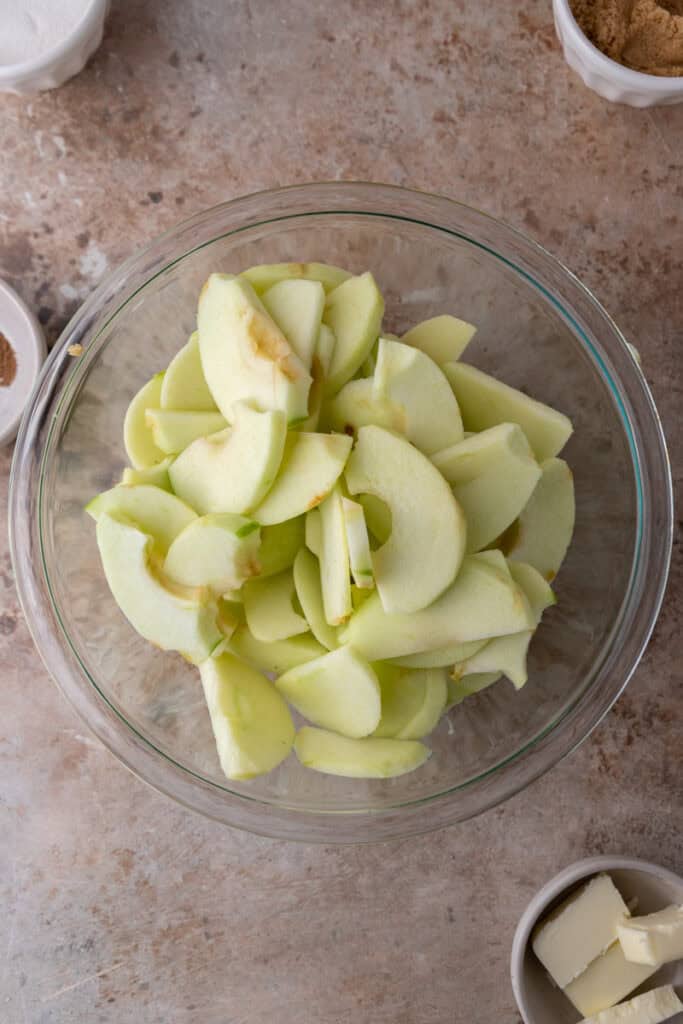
(216,551)
(265,275)
(484,402)
(408,379)
(547,522)
(313,532)
(231,471)
(493,474)
(296,306)
(280,544)
(440,657)
(368,758)
(465,686)
(137,436)
(180,619)
(334,560)
(152,510)
(377,516)
(276,657)
(427,542)
(357,405)
(184,385)
(251,723)
(173,430)
(412,703)
(310,595)
(442,338)
(245,356)
(338,691)
(482,602)
(324,348)
(354,312)
(311,465)
(156,476)
(230,616)
(360,558)
(269,608)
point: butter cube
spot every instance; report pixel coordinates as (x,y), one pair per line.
(580,929)
(605,981)
(651,1008)
(654,939)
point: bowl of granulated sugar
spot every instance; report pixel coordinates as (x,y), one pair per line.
(45,42)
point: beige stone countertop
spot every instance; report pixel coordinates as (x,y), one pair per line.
(117,905)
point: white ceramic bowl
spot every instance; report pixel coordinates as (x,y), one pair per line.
(605,76)
(70,56)
(539,1001)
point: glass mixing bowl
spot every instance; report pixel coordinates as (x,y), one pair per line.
(539,329)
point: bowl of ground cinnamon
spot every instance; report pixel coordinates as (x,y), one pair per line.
(22,353)
(628,51)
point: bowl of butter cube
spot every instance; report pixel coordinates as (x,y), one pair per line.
(342,512)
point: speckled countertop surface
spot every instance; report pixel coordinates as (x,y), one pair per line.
(118,906)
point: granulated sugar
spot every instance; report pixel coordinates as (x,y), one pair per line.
(29,28)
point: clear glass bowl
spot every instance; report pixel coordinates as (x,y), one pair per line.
(539,329)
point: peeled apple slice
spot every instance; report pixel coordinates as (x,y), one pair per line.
(265,275)
(276,657)
(357,405)
(245,356)
(427,542)
(412,703)
(546,524)
(231,471)
(484,402)
(354,312)
(184,385)
(250,720)
(216,551)
(137,436)
(156,475)
(181,619)
(174,430)
(310,595)
(153,511)
(440,657)
(311,465)
(465,686)
(324,349)
(334,560)
(338,691)
(313,532)
(280,544)
(296,306)
(269,608)
(369,758)
(442,338)
(358,542)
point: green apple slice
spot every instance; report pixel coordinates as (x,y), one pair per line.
(360,558)
(310,595)
(296,306)
(324,349)
(265,275)
(427,542)
(152,510)
(547,522)
(173,430)
(368,758)
(482,602)
(230,616)
(276,657)
(493,474)
(311,465)
(334,560)
(484,402)
(219,551)
(338,691)
(184,385)
(412,703)
(357,405)
(137,436)
(354,312)
(232,471)
(464,686)
(408,379)
(440,657)
(156,476)
(245,356)
(313,532)
(251,722)
(280,544)
(377,516)
(180,619)
(269,608)
(537,590)
(442,338)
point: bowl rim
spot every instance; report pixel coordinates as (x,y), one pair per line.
(138,752)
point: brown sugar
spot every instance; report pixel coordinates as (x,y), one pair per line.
(8,362)
(646,35)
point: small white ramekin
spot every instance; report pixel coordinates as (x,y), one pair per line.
(605,76)
(51,69)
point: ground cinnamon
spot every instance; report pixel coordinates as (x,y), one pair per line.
(646,35)
(8,362)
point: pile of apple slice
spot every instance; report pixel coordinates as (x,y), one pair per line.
(323,516)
